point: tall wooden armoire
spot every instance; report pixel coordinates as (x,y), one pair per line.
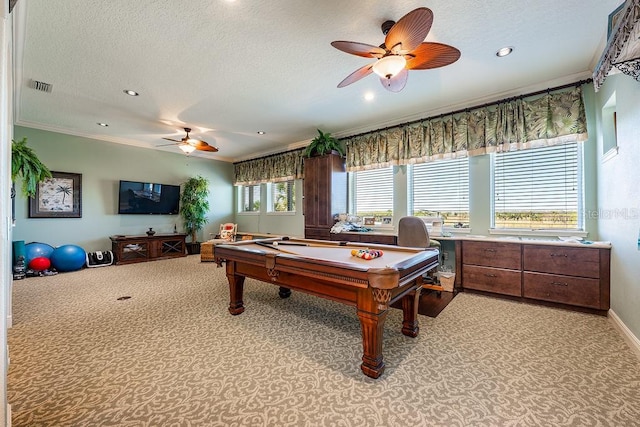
(325,194)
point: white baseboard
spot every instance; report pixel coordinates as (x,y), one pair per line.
(628,336)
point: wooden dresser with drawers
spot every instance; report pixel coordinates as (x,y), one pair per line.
(573,275)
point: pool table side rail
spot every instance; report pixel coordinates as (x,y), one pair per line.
(359,274)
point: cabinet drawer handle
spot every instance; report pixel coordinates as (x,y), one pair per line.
(559,255)
(560,283)
(489,250)
(490,275)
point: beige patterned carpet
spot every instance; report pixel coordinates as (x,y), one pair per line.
(172,355)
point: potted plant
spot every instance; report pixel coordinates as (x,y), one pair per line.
(194,205)
(323,144)
(26,165)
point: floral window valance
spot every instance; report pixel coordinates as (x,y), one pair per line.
(516,124)
(273,168)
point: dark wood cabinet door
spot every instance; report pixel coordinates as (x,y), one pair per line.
(492,254)
(581,262)
(325,191)
(498,280)
(562,289)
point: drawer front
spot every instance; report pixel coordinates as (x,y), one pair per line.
(317,233)
(492,254)
(562,289)
(581,262)
(506,282)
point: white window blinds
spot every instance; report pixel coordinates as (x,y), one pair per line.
(539,188)
(373,191)
(441,188)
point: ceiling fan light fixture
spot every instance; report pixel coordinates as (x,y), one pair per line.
(187,148)
(389,66)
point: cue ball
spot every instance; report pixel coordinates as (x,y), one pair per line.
(275,243)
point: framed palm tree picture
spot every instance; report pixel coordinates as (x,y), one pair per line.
(58,197)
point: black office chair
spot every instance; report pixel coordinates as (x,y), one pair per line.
(412,232)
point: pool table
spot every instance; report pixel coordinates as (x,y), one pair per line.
(327,269)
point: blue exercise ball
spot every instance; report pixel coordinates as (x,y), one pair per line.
(68,258)
(37,250)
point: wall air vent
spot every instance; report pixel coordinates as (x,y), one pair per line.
(41,86)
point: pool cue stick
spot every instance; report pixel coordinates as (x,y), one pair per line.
(284,251)
(276,248)
(280,249)
(322,245)
(266,245)
(279,244)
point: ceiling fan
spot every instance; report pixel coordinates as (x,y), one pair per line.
(189,145)
(403,49)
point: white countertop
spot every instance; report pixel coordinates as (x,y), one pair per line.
(554,241)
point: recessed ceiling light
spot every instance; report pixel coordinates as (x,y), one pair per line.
(369,96)
(131,92)
(504,51)
(104,125)
(261,132)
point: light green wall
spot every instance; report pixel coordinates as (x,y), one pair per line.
(618,212)
(281,223)
(102,166)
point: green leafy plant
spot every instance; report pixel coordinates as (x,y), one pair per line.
(194,205)
(323,144)
(26,165)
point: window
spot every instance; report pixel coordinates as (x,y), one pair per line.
(283,196)
(538,189)
(609,129)
(372,195)
(441,189)
(250,198)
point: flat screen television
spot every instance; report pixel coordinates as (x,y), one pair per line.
(148,198)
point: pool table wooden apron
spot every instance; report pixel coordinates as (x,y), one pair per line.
(327,269)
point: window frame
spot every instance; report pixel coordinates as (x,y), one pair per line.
(385,221)
(240,205)
(291,197)
(579,231)
(466,228)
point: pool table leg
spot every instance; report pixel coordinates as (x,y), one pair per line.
(410,304)
(236,288)
(372,336)
(284,292)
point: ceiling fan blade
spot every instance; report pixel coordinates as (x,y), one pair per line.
(357,75)
(198,144)
(431,55)
(206,147)
(360,49)
(409,31)
(397,82)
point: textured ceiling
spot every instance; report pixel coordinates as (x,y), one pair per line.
(230,69)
